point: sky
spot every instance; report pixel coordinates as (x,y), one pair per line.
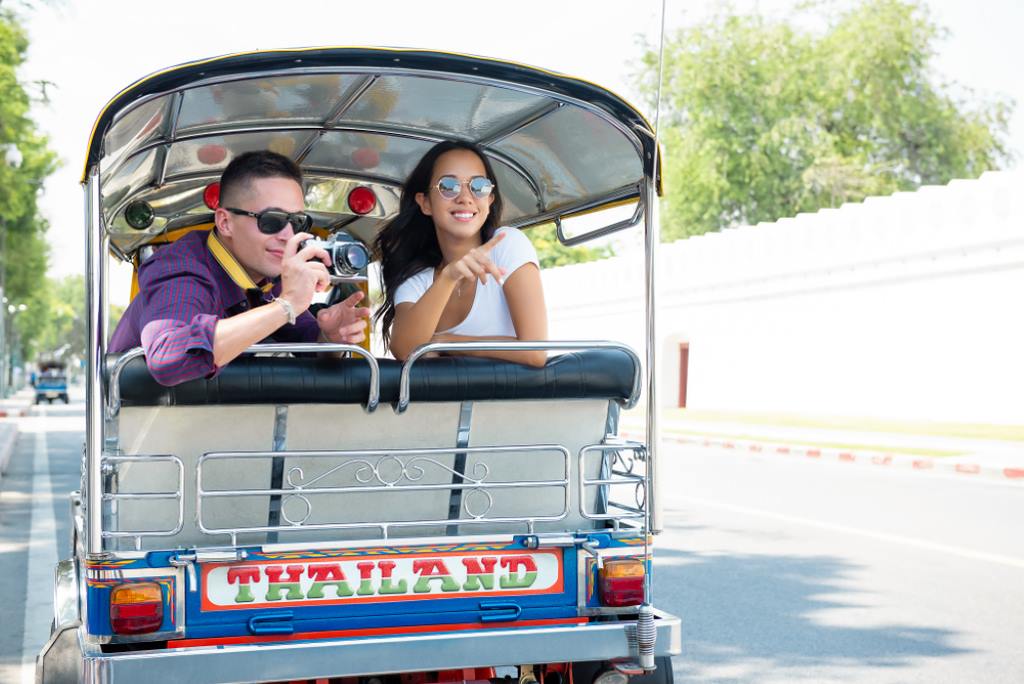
(91,49)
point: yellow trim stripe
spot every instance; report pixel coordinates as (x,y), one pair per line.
(231,266)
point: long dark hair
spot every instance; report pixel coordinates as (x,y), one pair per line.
(408,243)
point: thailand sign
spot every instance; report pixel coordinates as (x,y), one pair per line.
(380,579)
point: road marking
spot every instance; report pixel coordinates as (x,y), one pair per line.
(868,534)
(42,557)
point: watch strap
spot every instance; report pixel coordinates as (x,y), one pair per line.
(289,310)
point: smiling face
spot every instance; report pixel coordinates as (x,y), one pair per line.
(259,254)
(463,217)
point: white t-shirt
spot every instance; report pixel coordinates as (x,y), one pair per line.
(489,314)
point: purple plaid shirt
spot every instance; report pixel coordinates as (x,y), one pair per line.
(183,292)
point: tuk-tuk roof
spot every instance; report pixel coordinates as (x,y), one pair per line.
(363,116)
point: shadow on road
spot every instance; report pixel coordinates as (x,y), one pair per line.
(745,615)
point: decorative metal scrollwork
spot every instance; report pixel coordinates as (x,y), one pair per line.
(387,471)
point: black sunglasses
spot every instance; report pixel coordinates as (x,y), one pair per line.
(271,221)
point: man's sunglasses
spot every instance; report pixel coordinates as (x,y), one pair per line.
(271,221)
(449,187)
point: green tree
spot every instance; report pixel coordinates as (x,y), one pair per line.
(552,253)
(24,161)
(764,120)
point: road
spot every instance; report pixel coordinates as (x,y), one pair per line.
(34,528)
(788,571)
(783,571)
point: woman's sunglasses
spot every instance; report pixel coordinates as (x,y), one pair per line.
(449,187)
(271,221)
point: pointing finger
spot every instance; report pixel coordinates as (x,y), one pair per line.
(490,244)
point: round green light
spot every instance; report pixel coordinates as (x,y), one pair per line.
(139,214)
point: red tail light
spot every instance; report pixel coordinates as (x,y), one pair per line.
(211,195)
(136,608)
(361,200)
(622,582)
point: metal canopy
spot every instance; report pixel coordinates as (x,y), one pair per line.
(351,116)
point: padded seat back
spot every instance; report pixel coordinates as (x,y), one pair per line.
(314,435)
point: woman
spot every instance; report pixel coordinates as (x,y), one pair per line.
(448,273)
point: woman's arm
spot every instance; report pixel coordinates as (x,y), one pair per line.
(415,322)
(525,295)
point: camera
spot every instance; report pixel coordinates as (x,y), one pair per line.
(348,255)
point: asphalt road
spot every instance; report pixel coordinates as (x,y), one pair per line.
(788,571)
(783,571)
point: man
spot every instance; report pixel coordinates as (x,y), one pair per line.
(207,297)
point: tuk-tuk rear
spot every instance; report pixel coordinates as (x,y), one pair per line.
(51,382)
(308,518)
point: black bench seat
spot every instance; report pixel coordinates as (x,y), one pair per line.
(589,374)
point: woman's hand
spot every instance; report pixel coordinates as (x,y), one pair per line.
(476,264)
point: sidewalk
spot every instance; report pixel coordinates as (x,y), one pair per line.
(1001,459)
(18,404)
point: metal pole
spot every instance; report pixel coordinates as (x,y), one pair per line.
(651,238)
(3,308)
(96,340)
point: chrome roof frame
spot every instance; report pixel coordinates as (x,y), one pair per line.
(555,102)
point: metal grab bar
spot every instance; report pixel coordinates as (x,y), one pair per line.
(598,232)
(567,345)
(178,496)
(114,396)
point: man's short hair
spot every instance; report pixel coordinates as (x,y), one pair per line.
(247,167)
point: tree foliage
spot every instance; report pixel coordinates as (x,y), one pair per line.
(25,160)
(553,253)
(763,119)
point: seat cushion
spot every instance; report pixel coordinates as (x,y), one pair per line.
(588,374)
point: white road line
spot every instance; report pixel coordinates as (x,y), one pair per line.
(42,557)
(868,534)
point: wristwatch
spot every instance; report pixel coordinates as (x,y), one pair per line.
(289,310)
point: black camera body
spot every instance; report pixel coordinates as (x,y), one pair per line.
(348,256)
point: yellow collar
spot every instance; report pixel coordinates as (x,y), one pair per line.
(231,266)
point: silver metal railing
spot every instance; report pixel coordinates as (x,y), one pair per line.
(372,400)
(177,495)
(377,471)
(617,470)
(404,389)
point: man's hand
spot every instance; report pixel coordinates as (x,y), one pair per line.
(303,272)
(344,323)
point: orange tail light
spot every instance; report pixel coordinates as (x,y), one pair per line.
(622,582)
(136,608)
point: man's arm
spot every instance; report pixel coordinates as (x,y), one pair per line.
(184,337)
(301,276)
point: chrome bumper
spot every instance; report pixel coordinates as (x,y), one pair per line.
(379,655)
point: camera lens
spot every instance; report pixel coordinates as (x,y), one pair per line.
(355,257)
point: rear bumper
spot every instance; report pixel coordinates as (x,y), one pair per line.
(380,655)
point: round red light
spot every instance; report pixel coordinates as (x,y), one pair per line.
(365,157)
(211,195)
(361,200)
(212,154)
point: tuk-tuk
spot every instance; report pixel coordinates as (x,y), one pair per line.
(51,382)
(311,518)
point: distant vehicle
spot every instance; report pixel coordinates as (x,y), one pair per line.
(51,382)
(439,520)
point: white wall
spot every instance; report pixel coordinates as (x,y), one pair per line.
(906,306)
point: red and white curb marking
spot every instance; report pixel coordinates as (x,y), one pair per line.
(14,412)
(868,458)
